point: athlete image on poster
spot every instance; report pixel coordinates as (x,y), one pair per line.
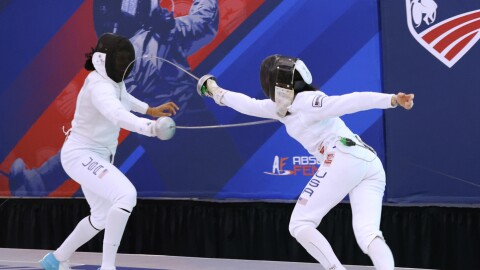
(155,31)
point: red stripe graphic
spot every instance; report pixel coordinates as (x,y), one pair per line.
(457,48)
(445,27)
(455,35)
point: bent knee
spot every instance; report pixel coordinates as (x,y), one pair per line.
(127,199)
(296,226)
(365,240)
(97,221)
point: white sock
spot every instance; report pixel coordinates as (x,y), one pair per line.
(80,235)
(317,246)
(115,225)
(381,254)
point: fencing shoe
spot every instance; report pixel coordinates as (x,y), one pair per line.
(49,262)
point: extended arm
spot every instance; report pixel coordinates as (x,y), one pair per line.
(244,104)
(333,106)
(240,102)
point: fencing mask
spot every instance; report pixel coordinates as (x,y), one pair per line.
(119,53)
(281,78)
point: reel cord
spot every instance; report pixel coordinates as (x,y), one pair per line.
(227,125)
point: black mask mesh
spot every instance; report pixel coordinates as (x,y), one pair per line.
(120,54)
(277,69)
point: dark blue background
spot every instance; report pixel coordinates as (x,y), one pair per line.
(432,151)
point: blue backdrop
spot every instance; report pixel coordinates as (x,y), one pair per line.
(432,153)
(429,153)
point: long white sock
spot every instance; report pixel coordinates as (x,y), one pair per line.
(381,254)
(317,246)
(114,227)
(80,235)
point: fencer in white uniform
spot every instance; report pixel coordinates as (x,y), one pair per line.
(348,165)
(103,107)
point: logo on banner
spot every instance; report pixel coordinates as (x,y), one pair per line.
(300,165)
(449,39)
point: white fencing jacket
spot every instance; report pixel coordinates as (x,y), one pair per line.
(313,118)
(103,107)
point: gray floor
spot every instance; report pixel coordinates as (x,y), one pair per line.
(27,259)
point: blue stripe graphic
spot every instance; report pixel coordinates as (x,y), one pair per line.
(132,159)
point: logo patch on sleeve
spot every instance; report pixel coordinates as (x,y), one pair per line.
(317,101)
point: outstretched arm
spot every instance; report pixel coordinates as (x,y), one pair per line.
(335,106)
(242,103)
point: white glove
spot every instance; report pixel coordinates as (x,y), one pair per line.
(164,128)
(215,91)
(207,86)
(145,127)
